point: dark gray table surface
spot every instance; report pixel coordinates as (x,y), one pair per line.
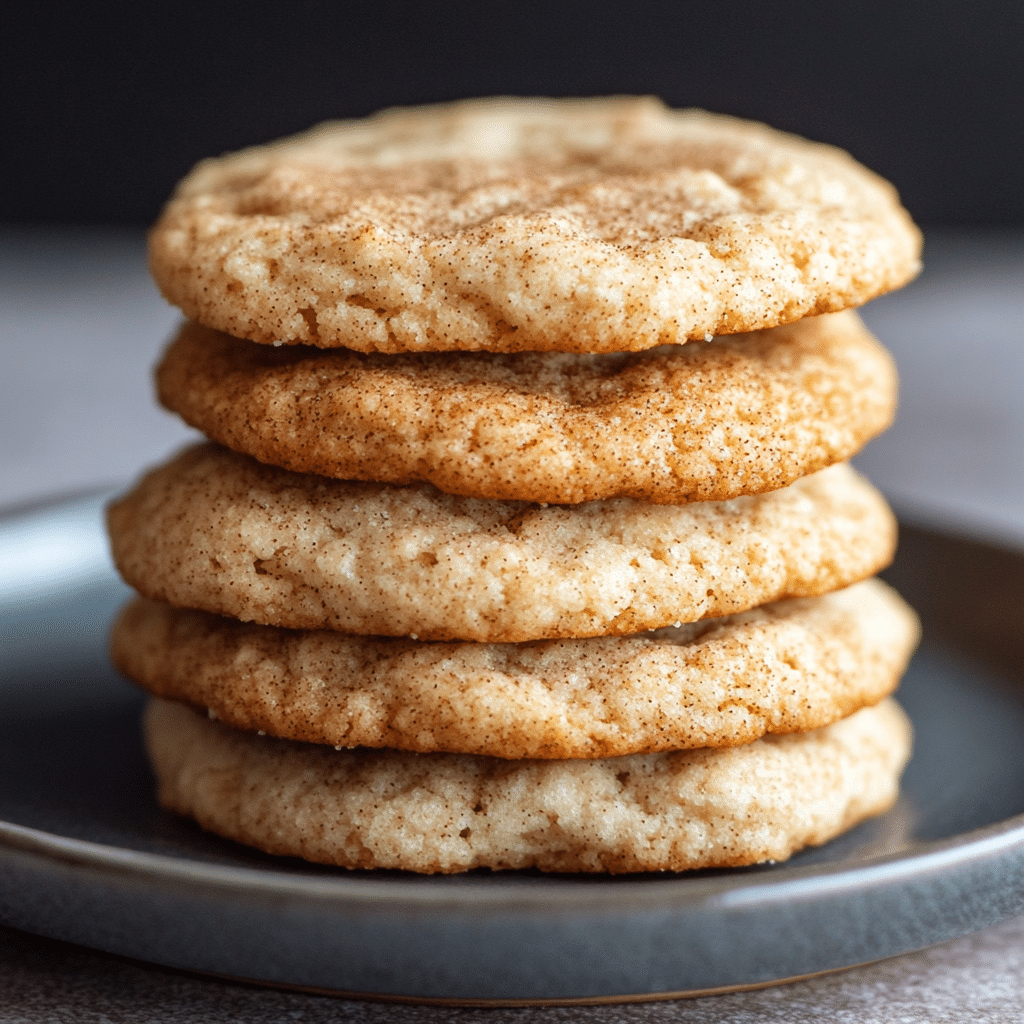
(80,329)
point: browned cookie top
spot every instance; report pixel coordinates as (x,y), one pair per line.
(740,415)
(784,667)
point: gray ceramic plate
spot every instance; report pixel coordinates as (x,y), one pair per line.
(87,856)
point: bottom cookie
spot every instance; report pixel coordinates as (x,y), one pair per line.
(452,812)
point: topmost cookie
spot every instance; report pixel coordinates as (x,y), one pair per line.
(512,225)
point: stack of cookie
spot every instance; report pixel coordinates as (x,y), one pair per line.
(484,565)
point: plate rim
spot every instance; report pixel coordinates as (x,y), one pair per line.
(995,847)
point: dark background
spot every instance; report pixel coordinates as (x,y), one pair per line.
(106,105)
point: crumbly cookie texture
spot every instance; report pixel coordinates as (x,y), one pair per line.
(224,533)
(785,667)
(453,812)
(510,225)
(682,423)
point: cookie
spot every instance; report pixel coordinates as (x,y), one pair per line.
(222,532)
(785,667)
(739,416)
(452,812)
(513,225)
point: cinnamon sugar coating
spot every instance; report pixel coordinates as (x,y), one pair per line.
(453,812)
(785,667)
(222,532)
(512,225)
(741,415)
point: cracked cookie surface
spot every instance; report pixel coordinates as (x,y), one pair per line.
(219,531)
(740,415)
(453,812)
(785,667)
(510,225)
